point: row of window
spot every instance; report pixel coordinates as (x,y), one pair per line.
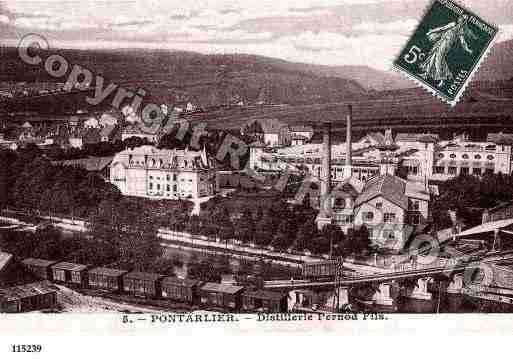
(388,217)
(168,177)
(168,187)
(466,156)
(476,171)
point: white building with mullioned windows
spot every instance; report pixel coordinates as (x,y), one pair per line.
(163,174)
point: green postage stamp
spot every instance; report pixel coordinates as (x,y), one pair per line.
(446,50)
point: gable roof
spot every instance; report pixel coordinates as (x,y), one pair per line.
(74,267)
(389,187)
(38,262)
(222,288)
(27,290)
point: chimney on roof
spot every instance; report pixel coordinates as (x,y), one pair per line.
(326,160)
(348,171)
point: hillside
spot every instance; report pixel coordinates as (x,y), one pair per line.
(171,77)
(498,65)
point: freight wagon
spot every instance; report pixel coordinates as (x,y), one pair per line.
(107,279)
(142,284)
(182,290)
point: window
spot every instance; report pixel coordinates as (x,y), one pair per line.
(440,155)
(368,216)
(151,185)
(388,234)
(413,205)
(489,158)
(158,186)
(476,171)
(438,169)
(477,157)
(489,171)
(389,217)
(415,218)
(151,177)
(452,170)
(452,155)
(464,170)
(168,177)
(168,188)
(379,205)
(174,188)
(174,176)
(340,202)
(465,156)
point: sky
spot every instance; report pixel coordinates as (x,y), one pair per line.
(325,32)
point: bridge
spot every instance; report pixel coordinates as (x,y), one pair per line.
(415,279)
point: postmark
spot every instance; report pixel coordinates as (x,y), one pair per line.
(446,50)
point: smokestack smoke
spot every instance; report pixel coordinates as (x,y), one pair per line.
(326,160)
(349,154)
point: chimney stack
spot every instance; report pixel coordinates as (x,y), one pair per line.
(349,160)
(348,167)
(326,160)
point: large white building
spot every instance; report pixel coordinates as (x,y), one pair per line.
(163,174)
(420,156)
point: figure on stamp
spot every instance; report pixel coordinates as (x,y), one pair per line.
(445,38)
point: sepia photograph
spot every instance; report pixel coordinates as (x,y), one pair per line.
(221,162)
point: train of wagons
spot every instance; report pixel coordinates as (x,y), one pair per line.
(228,297)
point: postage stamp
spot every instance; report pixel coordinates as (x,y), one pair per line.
(446,50)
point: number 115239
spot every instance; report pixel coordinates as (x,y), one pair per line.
(26,348)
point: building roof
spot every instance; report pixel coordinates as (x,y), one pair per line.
(265,295)
(108,272)
(390,187)
(26,291)
(74,267)
(179,282)
(268,125)
(222,288)
(352,186)
(301,128)
(152,157)
(144,276)
(5,259)
(414,137)
(500,138)
(38,262)
(92,164)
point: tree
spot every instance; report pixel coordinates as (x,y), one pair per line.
(125,225)
(361,241)
(264,230)
(203,271)
(246,227)
(283,238)
(304,235)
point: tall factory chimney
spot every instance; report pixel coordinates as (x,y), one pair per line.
(348,170)
(324,217)
(326,160)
